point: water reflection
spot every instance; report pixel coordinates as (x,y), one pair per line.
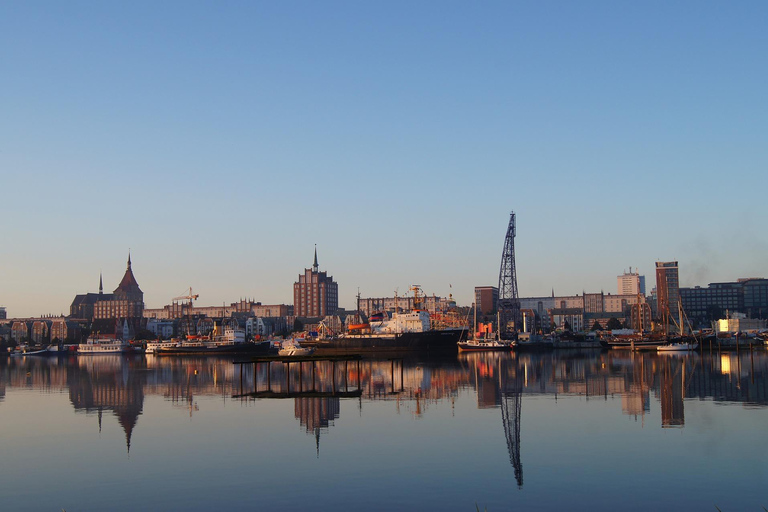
(119,385)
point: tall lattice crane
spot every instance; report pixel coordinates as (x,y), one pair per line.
(509,301)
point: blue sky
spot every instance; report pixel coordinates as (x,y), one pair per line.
(220,141)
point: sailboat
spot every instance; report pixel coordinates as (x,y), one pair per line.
(682,345)
(485,343)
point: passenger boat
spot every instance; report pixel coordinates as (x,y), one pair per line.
(233,342)
(153,346)
(98,346)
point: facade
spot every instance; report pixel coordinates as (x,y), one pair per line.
(714,302)
(630,283)
(126,302)
(3,314)
(40,332)
(315,294)
(64,330)
(19,331)
(486,299)
(667,291)
(432,303)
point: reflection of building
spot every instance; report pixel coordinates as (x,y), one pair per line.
(105,390)
(314,413)
(671,391)
(315,294)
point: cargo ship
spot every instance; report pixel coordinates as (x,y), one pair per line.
(395,331)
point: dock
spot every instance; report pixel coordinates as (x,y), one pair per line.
(298,389)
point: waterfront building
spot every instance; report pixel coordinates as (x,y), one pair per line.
(127,301)
(739,323)
(704,305)
(179,310)
(432,303)
(315,294)
(667,292)
(486,299)
(65,330)
(19,331)
(40,331)
(630,283)
(3,314)
(160,328)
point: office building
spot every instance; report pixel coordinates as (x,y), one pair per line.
(667,292)
(486,299)
(315,294)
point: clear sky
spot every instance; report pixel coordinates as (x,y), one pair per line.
(220,141)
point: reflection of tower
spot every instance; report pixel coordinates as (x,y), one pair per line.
(316,413)
(511,401)
(671,390)
(509,303)
(105,387)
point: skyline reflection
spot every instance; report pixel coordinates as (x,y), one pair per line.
(119,385)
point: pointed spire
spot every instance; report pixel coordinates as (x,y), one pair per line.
(129,258)
(101,284)
(315,267)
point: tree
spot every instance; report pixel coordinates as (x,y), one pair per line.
(567,326)
(596,326)
(144,334)
(613,323)
(297,325)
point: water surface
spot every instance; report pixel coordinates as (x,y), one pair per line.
(578,431)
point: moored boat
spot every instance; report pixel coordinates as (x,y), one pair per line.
(291,348)
(98,346)
(483,345)
(677,347)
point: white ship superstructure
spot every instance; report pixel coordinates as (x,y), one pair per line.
(399,323)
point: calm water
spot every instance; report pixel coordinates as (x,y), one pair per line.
(587,431)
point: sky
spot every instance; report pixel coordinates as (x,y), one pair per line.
(220,141)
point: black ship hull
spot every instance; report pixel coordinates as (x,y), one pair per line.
(255,349)
(432,341)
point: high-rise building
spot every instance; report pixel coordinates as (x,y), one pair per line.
(486,299)
(631,283)
(315,294)
(667,292)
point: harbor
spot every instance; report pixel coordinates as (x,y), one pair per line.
(448,431)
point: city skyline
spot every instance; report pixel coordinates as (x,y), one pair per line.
(220,143)
(406,293)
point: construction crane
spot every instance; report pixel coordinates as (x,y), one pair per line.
(189,297)
(180,313)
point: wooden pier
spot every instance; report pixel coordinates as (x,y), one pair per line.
(339,390)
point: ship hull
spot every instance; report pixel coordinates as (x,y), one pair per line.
(442,341)
(236,349)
